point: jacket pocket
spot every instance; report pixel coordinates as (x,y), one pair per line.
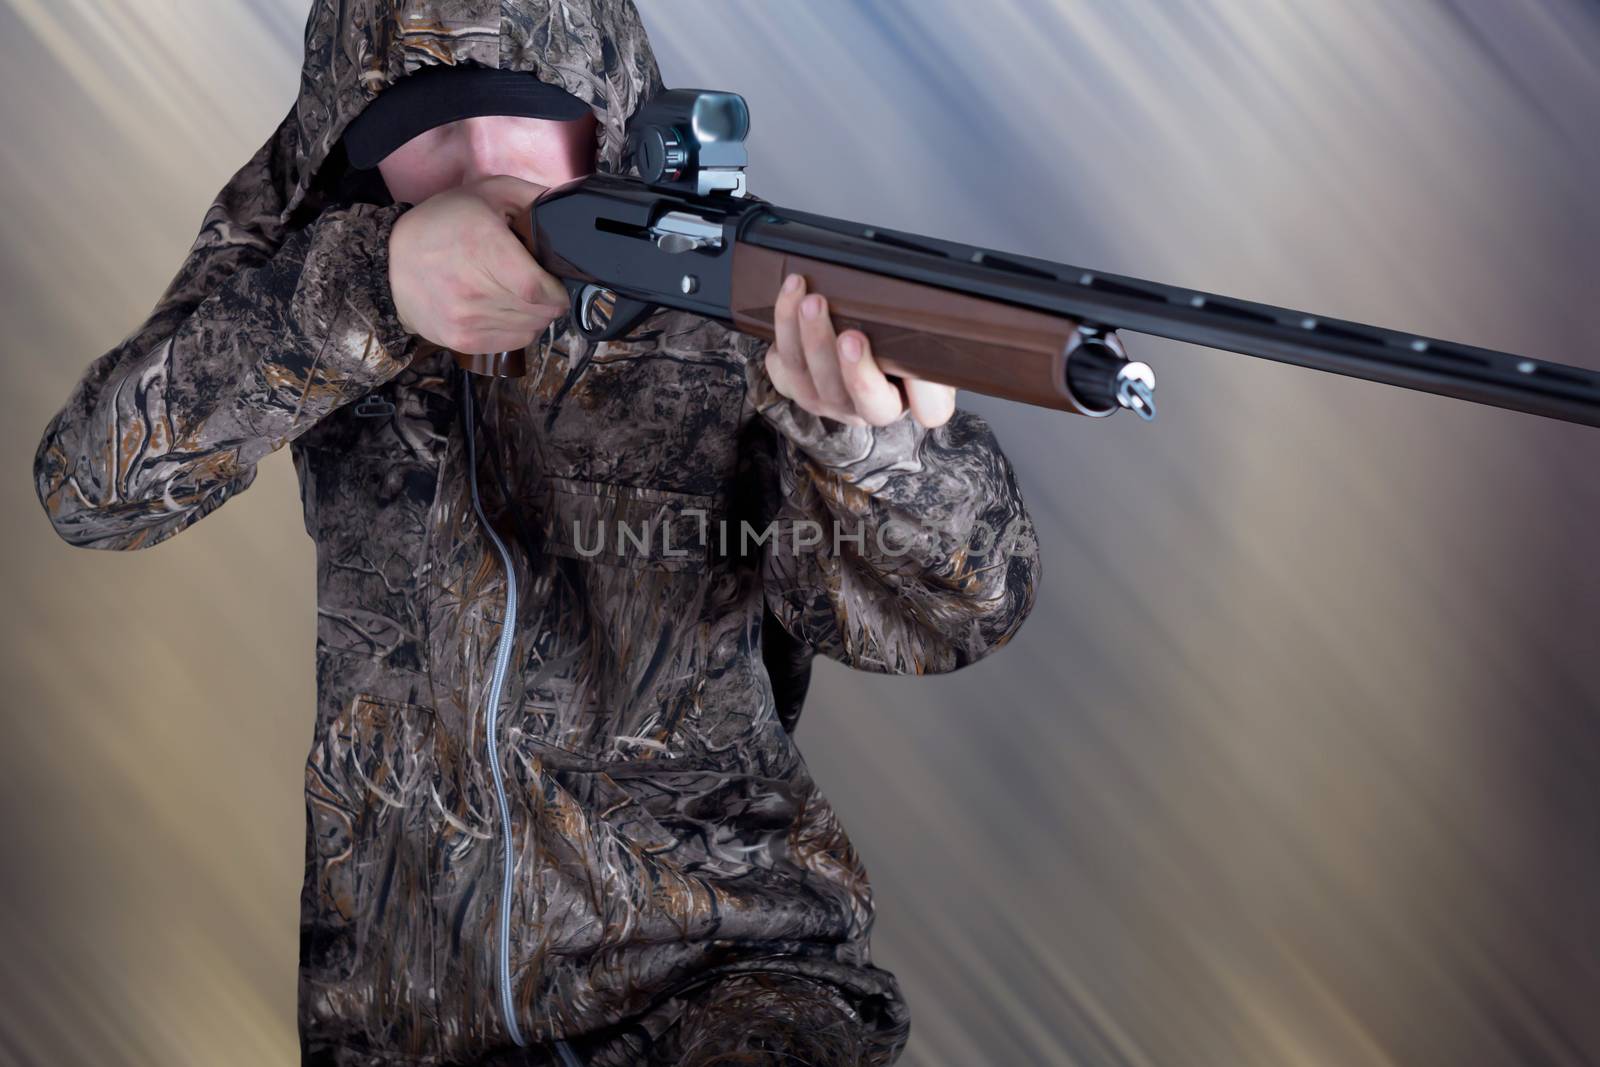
(645,650)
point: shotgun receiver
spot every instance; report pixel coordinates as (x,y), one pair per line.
(687,235)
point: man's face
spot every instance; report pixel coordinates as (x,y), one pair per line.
(543,151)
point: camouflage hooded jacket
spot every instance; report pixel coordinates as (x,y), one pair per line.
(670,857)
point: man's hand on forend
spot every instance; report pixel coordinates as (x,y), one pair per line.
(835,375)
(461,279)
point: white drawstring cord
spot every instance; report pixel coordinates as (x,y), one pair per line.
(497,682)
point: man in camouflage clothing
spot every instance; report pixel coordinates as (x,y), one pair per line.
(679,889)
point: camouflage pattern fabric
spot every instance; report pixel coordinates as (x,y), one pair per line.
(672,852)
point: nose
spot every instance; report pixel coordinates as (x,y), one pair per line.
(485,150)
(550,153)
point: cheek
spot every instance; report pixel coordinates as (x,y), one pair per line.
(580,157)
(551,156)
(413,173)
(582,145)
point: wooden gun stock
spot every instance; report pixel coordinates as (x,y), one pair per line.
(921,331)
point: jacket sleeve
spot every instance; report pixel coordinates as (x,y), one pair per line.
(895,549)
(264,331)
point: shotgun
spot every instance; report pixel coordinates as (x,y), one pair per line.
(686,234)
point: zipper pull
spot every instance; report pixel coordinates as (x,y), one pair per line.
(374,407)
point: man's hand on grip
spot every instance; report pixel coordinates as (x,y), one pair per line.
(461,279)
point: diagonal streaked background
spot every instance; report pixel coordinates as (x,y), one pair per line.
(1295,762)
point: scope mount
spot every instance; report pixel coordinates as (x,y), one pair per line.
(692,141)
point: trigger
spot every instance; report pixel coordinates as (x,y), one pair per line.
(604,315)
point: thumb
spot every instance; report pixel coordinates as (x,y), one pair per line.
(506,194)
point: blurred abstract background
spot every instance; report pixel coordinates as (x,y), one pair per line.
(1297,760)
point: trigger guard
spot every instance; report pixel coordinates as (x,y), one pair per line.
(601,314)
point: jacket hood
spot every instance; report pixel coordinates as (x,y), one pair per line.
(597,50)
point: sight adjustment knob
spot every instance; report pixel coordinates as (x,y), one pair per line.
(663,156)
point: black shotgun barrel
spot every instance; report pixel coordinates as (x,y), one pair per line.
(1115,302)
